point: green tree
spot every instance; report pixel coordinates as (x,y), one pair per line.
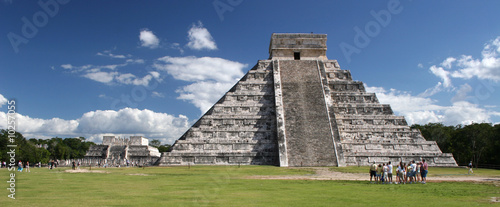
(164,148)
(155,143)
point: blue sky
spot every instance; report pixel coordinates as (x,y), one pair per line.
(151,68)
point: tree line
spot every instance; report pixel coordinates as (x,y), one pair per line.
(33,150)
(476,142)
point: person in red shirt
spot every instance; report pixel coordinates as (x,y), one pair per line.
(424,171)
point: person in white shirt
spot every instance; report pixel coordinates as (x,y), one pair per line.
(389,174)
(386,173)
(413,171)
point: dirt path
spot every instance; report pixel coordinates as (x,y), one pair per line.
(326,174)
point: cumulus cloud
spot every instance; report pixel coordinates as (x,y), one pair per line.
(466,67)
(108,74)
(487,67)
(461,93)
(148,39)
(204,94)
(200,69)
(443,74)
(200,38)
(103,77)
(94,124)
(211,77)
(447,63)
(422,110)
(3,101)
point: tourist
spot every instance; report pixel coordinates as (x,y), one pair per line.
(399,172)
(389,174)
(413,171)
(73,165)
(405,173)
(20,166)
(379,173)
(419,172)
(424,171)
(78,166)
(386,174)
(28,166)
(373,172)
(470,168)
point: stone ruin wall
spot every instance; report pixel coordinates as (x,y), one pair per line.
(115,151)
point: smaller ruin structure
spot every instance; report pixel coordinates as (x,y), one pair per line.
(116,151)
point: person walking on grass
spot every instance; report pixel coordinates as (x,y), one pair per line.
(373,172)
(470,168)
(28,166)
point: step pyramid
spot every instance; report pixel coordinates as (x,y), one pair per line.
(300,109)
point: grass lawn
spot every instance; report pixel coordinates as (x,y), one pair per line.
(227,186)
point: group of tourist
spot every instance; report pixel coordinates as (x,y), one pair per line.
(23,165)
(410,172)
(75,165)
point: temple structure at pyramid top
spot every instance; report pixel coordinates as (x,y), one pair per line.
(298,108)
(298,46)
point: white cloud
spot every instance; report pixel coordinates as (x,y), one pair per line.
(3,101)
(103,77)
(201,69)
(98,73)
(420,65)
(431,91)
(131,79)
(204,94)
(421,110)
(67,66)
(177,46)
(443,74)
(212,77)
(447,63)
(94,124)
(108,53)
(463,112)
(466,67)
(148,39)
(462,92)
(157,94)
(200,38)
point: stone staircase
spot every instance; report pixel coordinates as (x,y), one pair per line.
(309,136)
